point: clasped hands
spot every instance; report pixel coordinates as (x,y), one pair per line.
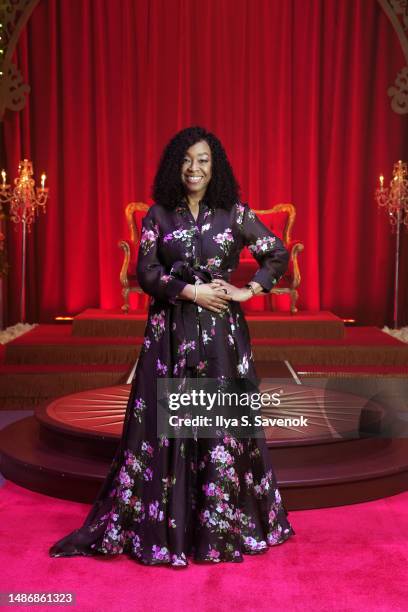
(216,294)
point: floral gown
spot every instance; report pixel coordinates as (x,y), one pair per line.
(165,500)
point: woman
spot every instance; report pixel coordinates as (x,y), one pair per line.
(213,499)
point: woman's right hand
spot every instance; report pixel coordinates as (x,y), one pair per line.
(212,298)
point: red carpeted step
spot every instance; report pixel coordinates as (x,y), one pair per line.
(360,346)
(39,340)
(51,368)
(356,370)
(56,334)
(24,386)
(359,336)
(22,391)
(305,324)
(53,344)
(75,351)
(333,355)
(27,462)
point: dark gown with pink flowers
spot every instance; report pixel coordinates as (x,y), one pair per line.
(214,499)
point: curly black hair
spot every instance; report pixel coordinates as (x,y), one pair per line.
(168,190)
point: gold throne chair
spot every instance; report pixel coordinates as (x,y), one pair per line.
(279,219)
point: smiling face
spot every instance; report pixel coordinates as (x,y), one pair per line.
(196,169)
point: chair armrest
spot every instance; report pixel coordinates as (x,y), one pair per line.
(295,247)
(127,252)
(294,243)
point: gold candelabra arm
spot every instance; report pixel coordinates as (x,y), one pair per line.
(24,198)
(5,194)
(394,199)
(382,196)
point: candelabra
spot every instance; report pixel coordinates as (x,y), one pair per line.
(25,202)
(394,199)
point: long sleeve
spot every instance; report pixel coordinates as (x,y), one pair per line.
(152,275)
(266,248)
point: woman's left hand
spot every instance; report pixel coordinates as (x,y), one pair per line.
(237,294)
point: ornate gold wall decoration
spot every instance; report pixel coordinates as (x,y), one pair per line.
(13,17)
(397,12)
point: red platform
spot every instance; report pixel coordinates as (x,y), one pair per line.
(306,324)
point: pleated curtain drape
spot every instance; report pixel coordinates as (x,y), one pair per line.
(295,89)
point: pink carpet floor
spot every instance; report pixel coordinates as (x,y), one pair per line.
(350,558)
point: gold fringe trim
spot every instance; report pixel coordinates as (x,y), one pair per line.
(68,354)
(337,356)
(27,389)
(113,328)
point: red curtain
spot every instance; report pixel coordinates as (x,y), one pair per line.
(296,90)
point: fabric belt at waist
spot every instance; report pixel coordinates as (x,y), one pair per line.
(190,315)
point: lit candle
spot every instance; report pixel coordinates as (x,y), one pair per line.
(43,177)
(381,182)
(3,174)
